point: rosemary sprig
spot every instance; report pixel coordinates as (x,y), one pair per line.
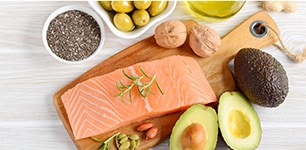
(144,88)
(105,145)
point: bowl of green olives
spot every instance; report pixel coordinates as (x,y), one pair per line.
(130,19)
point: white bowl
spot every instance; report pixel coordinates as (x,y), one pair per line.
(65,9)
(138,31)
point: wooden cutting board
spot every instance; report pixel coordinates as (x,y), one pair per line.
(215,69)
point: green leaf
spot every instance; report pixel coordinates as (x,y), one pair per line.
(105,145)
(143,88)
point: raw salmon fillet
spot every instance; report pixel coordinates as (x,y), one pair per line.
(93,108)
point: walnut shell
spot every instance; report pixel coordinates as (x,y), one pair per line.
(204,41)
(170,34)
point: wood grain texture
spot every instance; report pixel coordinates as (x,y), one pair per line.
(29,77)
(215,69)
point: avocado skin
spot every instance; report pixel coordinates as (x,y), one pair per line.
(260,77)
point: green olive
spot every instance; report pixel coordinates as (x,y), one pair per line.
(143,4)
(141,17)
(157,7)
(123,22)
(123,6)
(106,5)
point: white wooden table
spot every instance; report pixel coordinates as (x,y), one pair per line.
(29,77)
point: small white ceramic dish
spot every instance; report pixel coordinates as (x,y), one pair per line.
(65,9)
(138,31)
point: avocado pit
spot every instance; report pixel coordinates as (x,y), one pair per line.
(196,129)
(193,137)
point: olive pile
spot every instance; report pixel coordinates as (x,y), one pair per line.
(127,15)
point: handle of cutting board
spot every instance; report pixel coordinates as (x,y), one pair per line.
(243,33)
(232,42)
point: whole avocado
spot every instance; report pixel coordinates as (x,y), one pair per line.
(260,77)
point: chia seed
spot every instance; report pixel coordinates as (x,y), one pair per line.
(73,35)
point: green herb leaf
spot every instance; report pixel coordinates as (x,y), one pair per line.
(144,88)
(144,73)
(105,145)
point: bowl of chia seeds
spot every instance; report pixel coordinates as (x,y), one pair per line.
(73,34)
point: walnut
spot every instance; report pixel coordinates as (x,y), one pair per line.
(204,41)
(277,6)
(189,24)
(170,34)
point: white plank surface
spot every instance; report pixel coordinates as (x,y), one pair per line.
(29,77)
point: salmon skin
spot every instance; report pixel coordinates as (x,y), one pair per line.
(93,108)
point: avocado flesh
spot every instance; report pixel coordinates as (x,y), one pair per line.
(260,77)
(196,114)
(238,122)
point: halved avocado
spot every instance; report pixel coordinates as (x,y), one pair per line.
(196,129)
(238,121)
